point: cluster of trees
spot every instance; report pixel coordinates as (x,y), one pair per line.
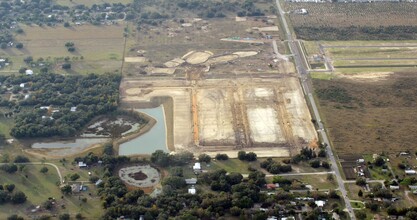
(242,155)
(305,154)
(275,167)
(219,180)
(357,33)
(92,95)
(236,196)
(222,157)
(164,159)
(7,195)
(334,94)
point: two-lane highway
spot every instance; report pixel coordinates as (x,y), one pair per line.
(303,74)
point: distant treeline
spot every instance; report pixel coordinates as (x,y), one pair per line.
(357,33)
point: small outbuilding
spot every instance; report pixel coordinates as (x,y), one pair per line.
(197,167)
(410,172)
(82,164)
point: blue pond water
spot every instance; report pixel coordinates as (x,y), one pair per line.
(154,139)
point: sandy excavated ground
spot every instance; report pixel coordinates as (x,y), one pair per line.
(264,126)
(215,113)
(197,57)
(136,59)
(269,116)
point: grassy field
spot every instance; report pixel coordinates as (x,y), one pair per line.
(5,125)
(371,52)
(39,187)
(322,75)
(98,48)
(89,3)
(316,181)
(345,15)
(378,116)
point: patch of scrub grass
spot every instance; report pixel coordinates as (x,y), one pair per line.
(322,75)
(5,125)
(233,165)
(357,205)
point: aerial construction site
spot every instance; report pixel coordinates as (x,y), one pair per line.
(224,100)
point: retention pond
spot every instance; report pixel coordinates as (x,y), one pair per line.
(154,139)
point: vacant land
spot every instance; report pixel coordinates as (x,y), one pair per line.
(345,15)
(363,56)
(253,114)
(369,113)
(98,49)
(334,21)
(168,47)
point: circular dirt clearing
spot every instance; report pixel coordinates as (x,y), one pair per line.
(198,57)
(140,176)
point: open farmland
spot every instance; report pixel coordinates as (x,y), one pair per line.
(333,21)
(369,113)
(98,49)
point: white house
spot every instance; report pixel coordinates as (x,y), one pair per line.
(320,203)
(29,72)
(392,187)
(22,85)
(73,109)
(410,172)
(82,164)
(192,191)
(197,167)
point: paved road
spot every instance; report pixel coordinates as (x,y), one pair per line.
(41,163)
(295,174)
(303,74)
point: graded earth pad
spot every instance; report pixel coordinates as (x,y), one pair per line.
(299,118)
(136,59)
(264,126)
(214,111)
(140,176)
(197,57)
(216,115)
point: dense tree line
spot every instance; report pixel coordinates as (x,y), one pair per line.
(164,159)
(357,33)
(92,95)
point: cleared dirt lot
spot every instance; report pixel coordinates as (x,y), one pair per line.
(214,110)
(227,115)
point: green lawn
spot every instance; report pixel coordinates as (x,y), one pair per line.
(233,165)
(39,187)
(322,75)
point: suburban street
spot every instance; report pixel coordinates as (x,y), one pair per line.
(303,74)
